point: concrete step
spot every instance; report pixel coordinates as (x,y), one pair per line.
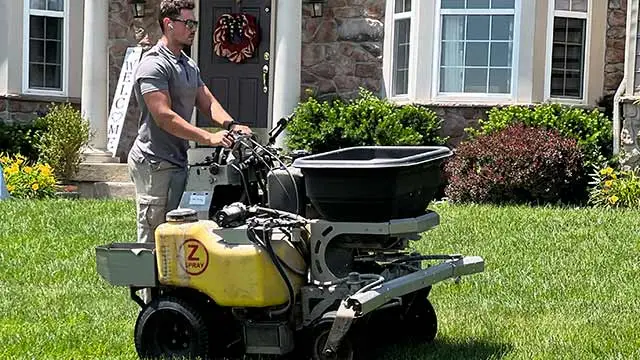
(104,181)
(107,190)
(102,172)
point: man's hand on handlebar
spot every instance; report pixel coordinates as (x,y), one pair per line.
(221,138)
(243,129)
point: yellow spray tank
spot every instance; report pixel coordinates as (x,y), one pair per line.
(223,263)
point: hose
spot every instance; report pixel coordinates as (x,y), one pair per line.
(379,280)
(251,234)
(244,183)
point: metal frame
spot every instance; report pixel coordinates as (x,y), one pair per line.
(322,232)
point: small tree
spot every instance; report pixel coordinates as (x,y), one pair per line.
(60,146)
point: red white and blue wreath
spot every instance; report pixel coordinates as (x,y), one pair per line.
(236,37)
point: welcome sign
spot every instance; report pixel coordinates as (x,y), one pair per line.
(121,98)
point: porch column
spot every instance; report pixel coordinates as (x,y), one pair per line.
(287,60)
(94,77)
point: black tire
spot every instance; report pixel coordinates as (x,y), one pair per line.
(345,351)
(421,320)
(171,328)
(349,349)
(416,321)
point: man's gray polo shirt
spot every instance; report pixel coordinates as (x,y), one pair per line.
(160,69)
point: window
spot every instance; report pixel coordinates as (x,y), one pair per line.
(44,45)
(476,46)
(568,49)
(401,39)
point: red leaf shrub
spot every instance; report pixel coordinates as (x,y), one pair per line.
(517,165)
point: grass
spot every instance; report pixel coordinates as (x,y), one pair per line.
(558,284)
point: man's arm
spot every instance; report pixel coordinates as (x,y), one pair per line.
(208,105)
(159,104)
(154,86)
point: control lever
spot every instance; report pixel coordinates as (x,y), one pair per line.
(279,128)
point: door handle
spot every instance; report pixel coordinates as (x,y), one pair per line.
(265,71)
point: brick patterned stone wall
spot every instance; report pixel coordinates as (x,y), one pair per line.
(457,118)
(342,50)
(25,109)
(614,54)
(124,32)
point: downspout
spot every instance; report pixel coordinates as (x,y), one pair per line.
(617,99)
(627,84)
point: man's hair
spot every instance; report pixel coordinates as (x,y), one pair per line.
(171,9)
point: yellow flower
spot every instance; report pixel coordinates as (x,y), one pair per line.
(608,183)
(13,169)
(19,161)
(606,171)
(10,188)
(613,199)
(35,186)
(28,169)
(45,170)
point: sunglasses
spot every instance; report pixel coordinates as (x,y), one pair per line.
(191,24)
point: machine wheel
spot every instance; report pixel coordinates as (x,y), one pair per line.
(348,349)
(421,320)
(171,328)
(345,351)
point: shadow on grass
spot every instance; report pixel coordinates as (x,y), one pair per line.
(442,348)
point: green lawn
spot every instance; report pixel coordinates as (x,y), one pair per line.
(559,284)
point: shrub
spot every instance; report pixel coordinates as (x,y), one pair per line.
(615,188)
(592,129)
(366,120)
(26,179)
(519,164)
(67,134)
(21,139)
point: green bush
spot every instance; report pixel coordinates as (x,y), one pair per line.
(615,188)
(592,129)
(367,120)
(21,139)
(61,145)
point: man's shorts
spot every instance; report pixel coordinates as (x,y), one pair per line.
(159,187)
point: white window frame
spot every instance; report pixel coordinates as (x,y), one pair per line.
(401,16)
(463,97)
(389,53)
(552,13)
(27,12)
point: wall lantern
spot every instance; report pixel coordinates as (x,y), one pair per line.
(316,6)
(137,7)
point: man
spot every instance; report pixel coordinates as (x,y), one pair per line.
(167,87)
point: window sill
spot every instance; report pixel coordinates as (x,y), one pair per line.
(462,102)
(41,98)
(457,101)
(567,101)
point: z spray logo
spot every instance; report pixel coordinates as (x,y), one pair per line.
(195,255)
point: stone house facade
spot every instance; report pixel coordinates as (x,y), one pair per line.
(458,57)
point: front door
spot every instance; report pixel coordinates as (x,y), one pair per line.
(241,88)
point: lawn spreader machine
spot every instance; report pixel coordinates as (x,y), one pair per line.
(298,256)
